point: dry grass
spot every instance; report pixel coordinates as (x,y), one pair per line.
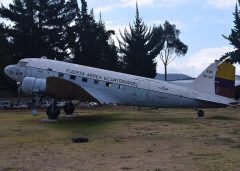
(122,138)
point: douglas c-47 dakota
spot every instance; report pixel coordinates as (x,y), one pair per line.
(56,80)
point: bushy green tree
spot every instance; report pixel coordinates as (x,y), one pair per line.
(139,48)
(234,39)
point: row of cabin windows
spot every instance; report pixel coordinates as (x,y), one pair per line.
(73,77)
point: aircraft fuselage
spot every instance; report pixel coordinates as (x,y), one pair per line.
(114,87)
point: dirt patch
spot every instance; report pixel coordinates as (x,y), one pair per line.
(122,138)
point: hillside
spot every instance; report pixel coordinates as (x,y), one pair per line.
(173,77)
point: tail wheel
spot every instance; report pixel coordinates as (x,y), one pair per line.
(69,108)
(200,113)
(53,113)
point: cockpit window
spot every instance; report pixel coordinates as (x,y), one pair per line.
(22,64)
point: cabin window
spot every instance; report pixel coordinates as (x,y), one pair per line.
(49,69)
(108,84)
(72,77)
(60,75)
(96,81)
(84,79)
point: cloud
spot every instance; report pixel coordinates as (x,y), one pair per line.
(116,27)
(170,3)
(193,65)
(141,3)
(179,24)
(222,4)
(5,2)
(132,3)
(111,26)
(105,9)
(123,4)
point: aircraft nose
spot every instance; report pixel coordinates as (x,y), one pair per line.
(6,70)
(9,70)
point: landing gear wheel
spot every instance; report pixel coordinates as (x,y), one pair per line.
(53,113)
(200,113)
(69,108)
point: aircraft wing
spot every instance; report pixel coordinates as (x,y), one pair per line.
(60,88)
(63,89)
(102,96)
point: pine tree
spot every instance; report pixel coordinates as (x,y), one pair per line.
(92,45)
(107,50)
(85,34)
(140,47)
(72,32)
(5,55)
(59,30)
(234,39)
(53,21)
(20,13)
(5,59)
(41,25)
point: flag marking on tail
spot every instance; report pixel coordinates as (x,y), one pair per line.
(225,80)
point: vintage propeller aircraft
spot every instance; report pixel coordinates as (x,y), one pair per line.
(41,77)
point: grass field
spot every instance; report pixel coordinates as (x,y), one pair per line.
(122,138)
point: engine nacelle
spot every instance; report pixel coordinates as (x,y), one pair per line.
(32,85)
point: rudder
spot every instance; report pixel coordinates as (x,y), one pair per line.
(225,80)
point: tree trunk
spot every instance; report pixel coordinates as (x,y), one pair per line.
(165,75)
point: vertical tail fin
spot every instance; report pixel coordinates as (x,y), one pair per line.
(216,79)
(205,82)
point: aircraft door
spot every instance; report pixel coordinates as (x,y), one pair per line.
(141,92)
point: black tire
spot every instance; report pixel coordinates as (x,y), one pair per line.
(200,113)
(79,139)
(69,108)
(53,114)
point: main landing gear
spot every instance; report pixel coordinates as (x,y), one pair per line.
(53,110)
(69,108)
